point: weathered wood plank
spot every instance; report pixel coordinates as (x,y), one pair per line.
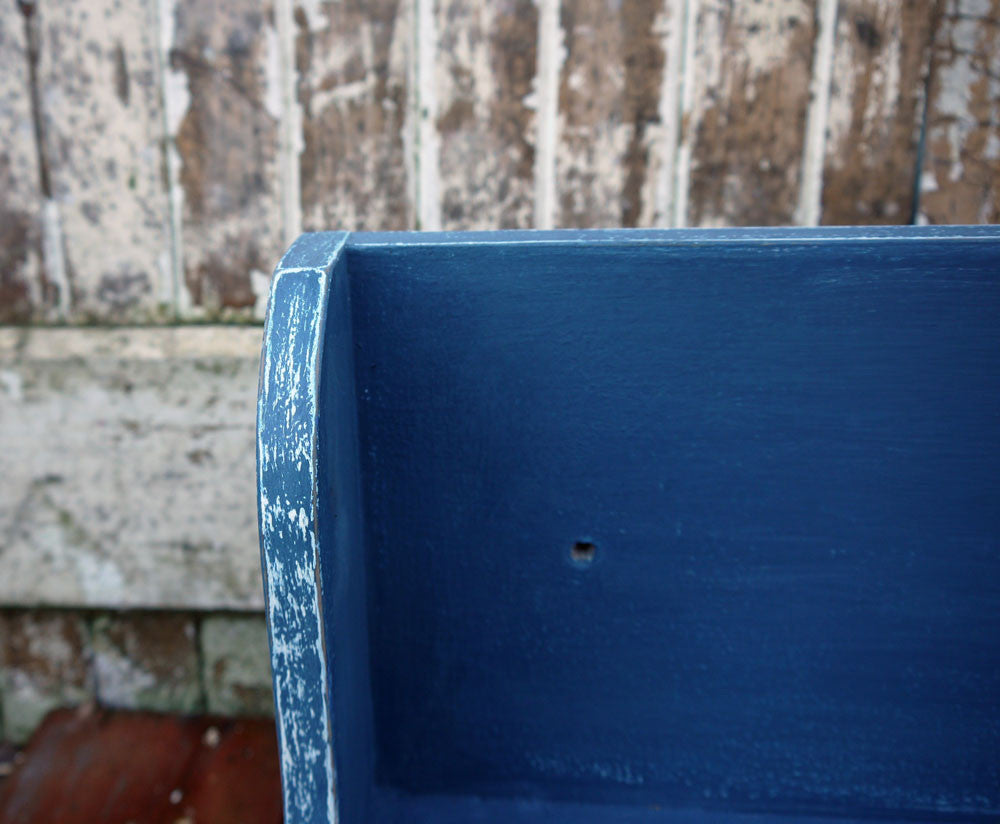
(961,174)
(224,102)
(590,157)
(103,123)
(612,137)
(20,202)
(485,75)
(352,58)
(876,106)
(128,467)
(290,507)
(742,138)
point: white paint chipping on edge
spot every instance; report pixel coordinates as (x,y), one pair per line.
(271,513)
(53,256)
(428,141)
(669,109)
(289,114)
(809,205)
(685,149)
(551,54)
(176,99)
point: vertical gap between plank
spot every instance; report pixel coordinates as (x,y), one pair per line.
(670,109)
(918,170)
(426,162)
(197,622)
(549,63)
(810,202)
(685,130)
(290,138)
(174,98)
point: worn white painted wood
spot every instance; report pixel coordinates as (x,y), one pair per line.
(807,212)
(127,467)
(551,53)
(426,100)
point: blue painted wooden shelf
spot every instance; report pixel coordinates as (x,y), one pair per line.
(635,526)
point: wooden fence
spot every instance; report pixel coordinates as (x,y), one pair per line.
(156,155)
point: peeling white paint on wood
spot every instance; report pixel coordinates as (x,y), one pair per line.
(54,256)
(485,70)
(359,115)
(20,253)
(962,149)
(282,85)
(103,126)
(682,169)
(745,102)
(99,115)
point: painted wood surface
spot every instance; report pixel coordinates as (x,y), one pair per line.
(224,109)
(593,139)
(877,101)
(962,164)
(745,115)
(485,94)
(636,525)
(99,74)
(356,95)
(204,136)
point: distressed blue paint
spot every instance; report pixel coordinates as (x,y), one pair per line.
(785,446)
(289,514)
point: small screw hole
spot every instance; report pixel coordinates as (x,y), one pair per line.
(582,553)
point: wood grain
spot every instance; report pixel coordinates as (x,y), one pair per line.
(103,123)
(745,492)
(744,128)
(609,101)
(961,174)
(882,58)
(352,60)
(227,138)
(593,137)
(486,68)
